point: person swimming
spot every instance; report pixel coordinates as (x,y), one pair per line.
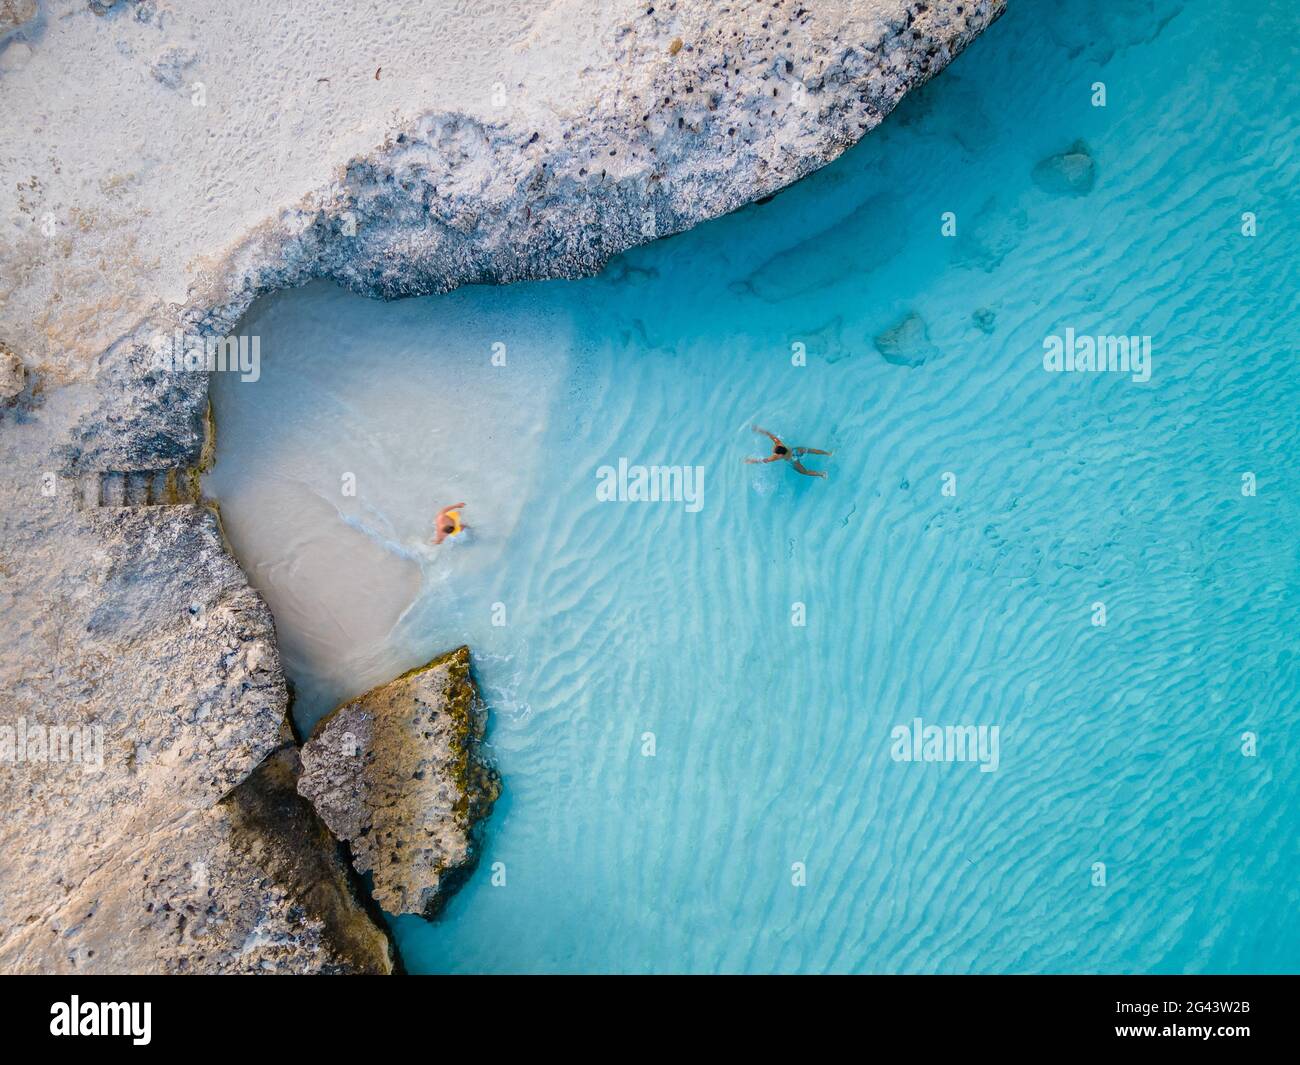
(448,523)
(781,453)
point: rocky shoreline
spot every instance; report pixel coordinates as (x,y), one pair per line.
(189,847)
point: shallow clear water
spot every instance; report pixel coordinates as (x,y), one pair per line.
(1119,744)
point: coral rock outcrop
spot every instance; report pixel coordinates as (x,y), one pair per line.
(398,773)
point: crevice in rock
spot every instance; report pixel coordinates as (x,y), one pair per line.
(139,488)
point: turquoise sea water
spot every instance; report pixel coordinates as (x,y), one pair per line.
(1120,744)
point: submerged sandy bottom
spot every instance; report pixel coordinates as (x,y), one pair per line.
(365,420)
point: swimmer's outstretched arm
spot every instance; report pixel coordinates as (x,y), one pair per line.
(770,458)
(806,472)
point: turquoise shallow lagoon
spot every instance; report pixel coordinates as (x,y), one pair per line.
(1121,745)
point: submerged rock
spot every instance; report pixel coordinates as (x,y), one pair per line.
(399,775)
(995,233)
(985,319)
(169,66)
(907,343)
(826,340)
(1071,173)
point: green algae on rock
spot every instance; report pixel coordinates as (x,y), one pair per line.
(398,774)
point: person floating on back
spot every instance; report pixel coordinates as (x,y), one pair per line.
(781,453)
(448,523)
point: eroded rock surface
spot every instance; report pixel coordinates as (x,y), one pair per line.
(253,884)
(398,773)
(151,822)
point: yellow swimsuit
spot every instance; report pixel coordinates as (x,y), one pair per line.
(454,515)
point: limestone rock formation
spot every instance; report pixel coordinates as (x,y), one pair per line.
(581,147)
(253,884)
(398,773)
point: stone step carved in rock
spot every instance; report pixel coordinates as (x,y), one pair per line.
(138,488)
